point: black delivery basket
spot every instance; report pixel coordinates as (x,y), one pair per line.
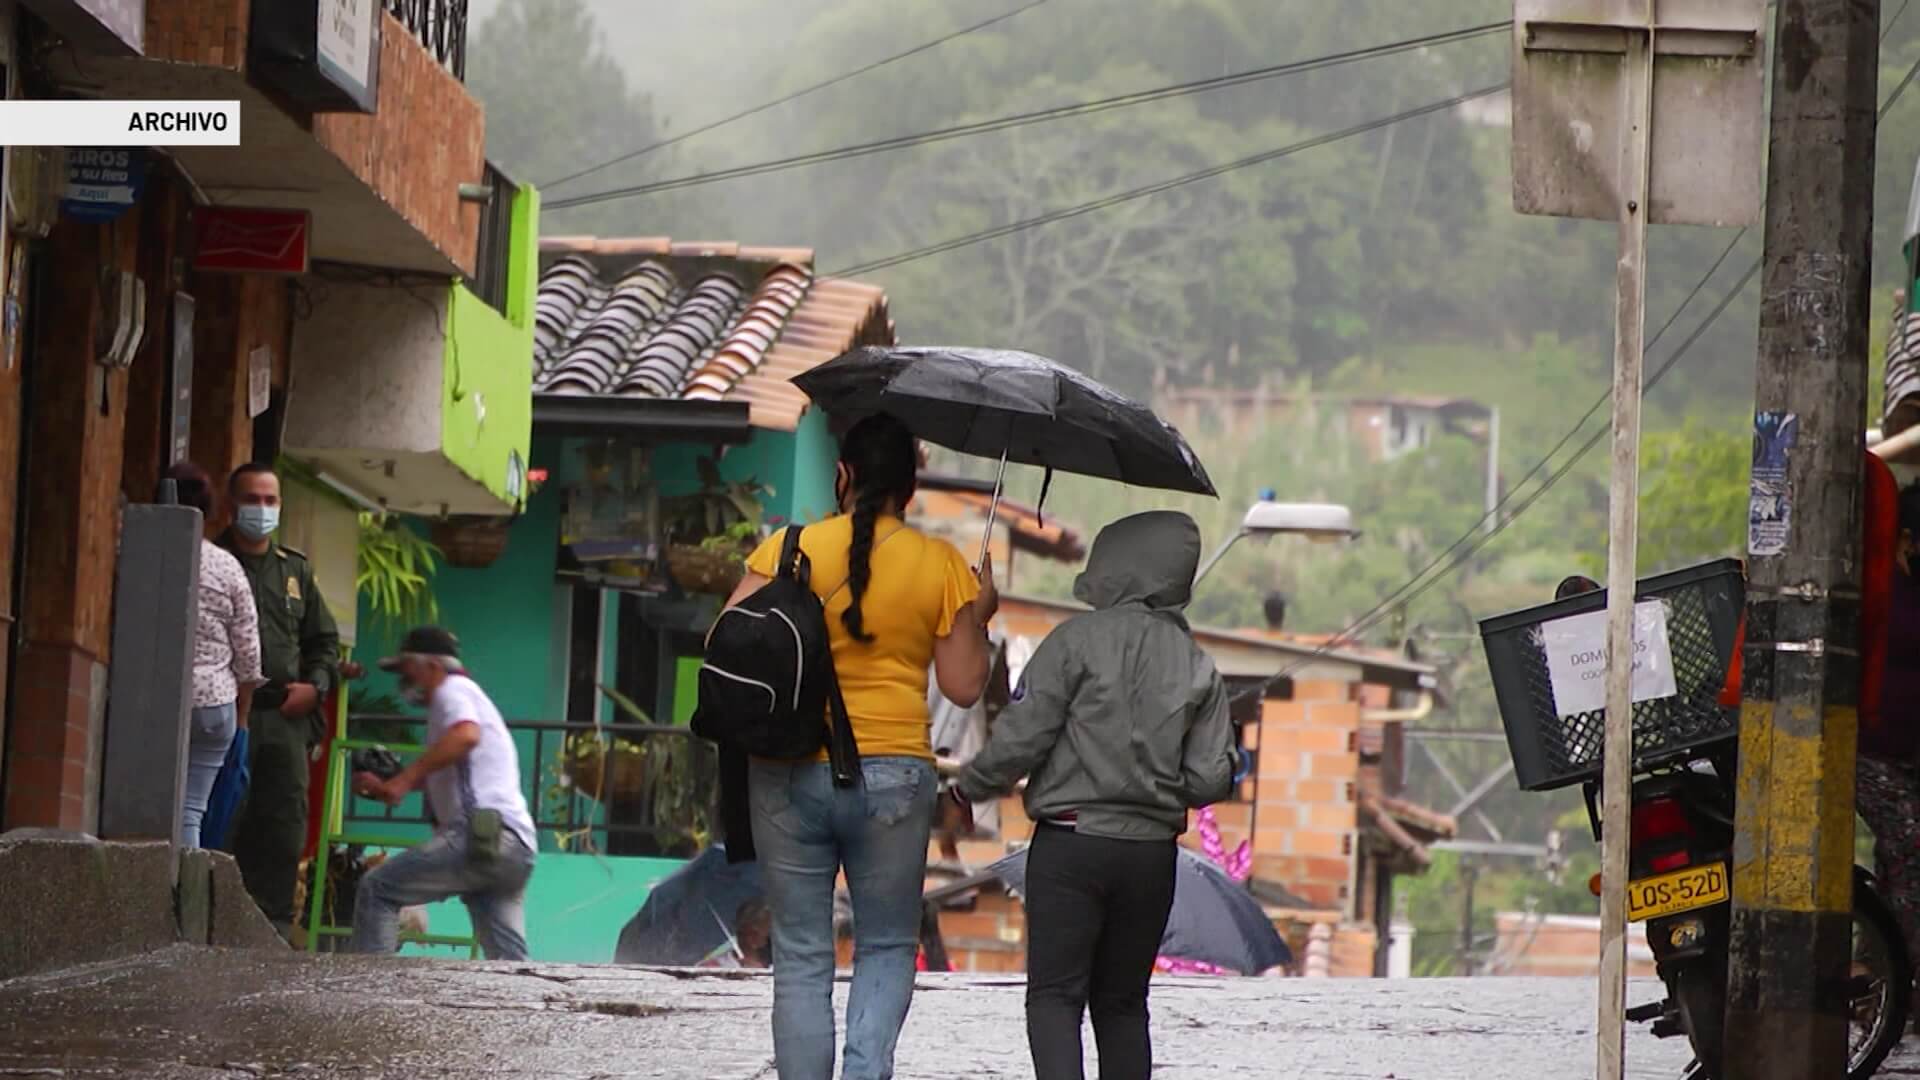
(1702,607)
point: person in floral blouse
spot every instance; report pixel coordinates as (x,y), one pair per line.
(226,655)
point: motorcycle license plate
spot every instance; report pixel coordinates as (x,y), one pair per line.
(1682,890)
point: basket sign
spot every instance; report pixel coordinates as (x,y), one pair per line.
(1576,651)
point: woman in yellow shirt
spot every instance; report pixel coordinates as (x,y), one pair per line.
(897,602)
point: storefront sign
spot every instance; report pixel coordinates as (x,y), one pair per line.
(103,183)
(346,40)
(325,54)
(247,241)
(1576,649)
(105,26)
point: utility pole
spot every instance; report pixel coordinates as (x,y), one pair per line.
(1637,112)
(1793,856)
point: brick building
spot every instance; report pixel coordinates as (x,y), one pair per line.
(1320,806)
(240,304)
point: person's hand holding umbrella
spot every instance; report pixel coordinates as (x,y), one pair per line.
(987,604)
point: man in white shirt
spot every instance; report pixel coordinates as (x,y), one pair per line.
(483,845)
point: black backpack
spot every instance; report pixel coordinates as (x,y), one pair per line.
(768,683)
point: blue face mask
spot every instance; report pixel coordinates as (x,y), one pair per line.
(257,522)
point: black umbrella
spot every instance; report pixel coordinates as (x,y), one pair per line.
(1215,919)
(1013,406)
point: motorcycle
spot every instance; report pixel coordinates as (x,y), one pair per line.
(1679,861)
(1681,815)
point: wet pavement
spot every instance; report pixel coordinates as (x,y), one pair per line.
(199,1014)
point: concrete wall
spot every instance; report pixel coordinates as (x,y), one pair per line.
(75,900)
(371,361)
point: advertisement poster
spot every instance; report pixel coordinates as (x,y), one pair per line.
(1770,498)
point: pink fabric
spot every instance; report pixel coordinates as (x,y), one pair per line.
(226,640)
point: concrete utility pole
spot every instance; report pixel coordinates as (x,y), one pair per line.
(1793,858)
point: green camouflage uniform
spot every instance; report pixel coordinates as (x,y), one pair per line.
(298,643)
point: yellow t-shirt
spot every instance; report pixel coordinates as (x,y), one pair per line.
(917,585)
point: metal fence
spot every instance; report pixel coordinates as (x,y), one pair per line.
(619,789)
(440,25)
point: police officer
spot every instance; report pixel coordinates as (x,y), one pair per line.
(300,648)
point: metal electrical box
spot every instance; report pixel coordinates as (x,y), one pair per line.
(156,600)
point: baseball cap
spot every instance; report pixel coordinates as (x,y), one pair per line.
(424,641)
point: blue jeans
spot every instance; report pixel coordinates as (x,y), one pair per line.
(209,733)
(494,893)
(806,830)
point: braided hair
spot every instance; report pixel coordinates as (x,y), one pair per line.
(881,460)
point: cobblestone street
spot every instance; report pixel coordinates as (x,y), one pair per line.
(204,1014)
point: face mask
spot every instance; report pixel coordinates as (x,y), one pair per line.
(257,522)
(416,696)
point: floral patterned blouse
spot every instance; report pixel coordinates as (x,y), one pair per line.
(226,644)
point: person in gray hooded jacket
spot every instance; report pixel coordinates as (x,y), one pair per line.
(1120,725)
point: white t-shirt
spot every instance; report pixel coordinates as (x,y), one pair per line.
(488,778)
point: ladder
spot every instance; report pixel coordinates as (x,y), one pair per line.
(335,828)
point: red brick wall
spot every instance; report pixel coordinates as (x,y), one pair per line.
(1307,816)
(72,495)
(209,32)
(427,139)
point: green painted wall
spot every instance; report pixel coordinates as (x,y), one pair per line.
(576,907)
(487,409)
(814,454)
(798,466)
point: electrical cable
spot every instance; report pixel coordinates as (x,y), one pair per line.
(796,95)
(1163,186)
(1416,587)
(1004,123)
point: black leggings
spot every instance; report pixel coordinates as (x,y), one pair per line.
(1096,910)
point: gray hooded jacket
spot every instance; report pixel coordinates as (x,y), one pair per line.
(1120,720)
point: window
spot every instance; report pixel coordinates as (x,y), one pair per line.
(493,258)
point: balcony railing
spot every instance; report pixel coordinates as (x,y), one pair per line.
(655,795)
(441,26)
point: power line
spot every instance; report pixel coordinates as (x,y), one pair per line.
(1416,587)
(1163,186)
(1004,123)
(796,95)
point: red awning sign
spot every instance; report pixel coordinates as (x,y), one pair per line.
(249,241)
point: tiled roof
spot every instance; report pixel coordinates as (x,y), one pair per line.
(651,318)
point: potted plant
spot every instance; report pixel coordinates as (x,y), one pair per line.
(395,571)
(471,541)
(661,782)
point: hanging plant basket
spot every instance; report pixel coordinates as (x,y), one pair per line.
(625,774)
(714,571)
(472,543)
